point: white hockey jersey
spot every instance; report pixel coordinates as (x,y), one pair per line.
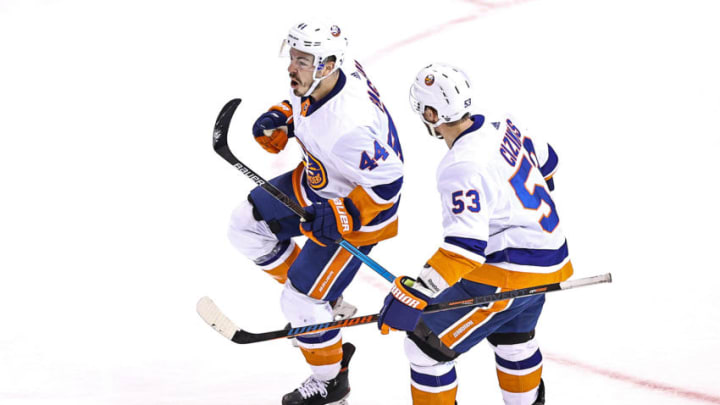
(351,149)
(501,226)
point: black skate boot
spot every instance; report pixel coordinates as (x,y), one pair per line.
(541,394)
(318,392)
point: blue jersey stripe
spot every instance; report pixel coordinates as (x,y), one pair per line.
(551,163)
(471,245)
(531,257)
(433,380)
(530,362)
(390,190)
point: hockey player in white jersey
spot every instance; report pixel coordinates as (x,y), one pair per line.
(349,181)
(501,232)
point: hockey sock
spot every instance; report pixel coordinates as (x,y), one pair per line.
(519,369)
(435,385)
(323,354)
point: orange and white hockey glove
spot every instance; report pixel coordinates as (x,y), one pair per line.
(331,220)
(272,129)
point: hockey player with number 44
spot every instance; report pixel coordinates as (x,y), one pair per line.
(349,183)
(501,232)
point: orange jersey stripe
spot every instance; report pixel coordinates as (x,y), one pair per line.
(519,383)
(325,355)
(493,275)
(328,276)
(452,266)
(429,398)
(297,185)
(470,322)
(359,238)
(304,107)
(368,207)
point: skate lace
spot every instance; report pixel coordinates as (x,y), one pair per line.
(313,386)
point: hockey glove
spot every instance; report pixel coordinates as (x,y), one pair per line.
(272,129)
(331,219)
(403,306)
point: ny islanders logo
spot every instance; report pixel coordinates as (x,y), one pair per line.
(335,31)
(315,172)
(429,80)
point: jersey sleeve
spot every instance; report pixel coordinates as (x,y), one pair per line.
(374,167)
(467,199)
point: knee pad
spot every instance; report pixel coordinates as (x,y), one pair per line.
(418,358)
(250,236)
(301,310)
(515,347)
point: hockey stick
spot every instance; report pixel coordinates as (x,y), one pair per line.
(220,133)
(217,320)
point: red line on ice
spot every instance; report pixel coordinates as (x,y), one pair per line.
(483,8)
(641,382)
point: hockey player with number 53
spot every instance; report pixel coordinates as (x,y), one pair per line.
(501,232)
(349,182)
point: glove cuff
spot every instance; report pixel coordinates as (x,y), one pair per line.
(432,281)
(285,109)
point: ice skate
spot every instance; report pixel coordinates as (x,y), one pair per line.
(341,309)
(317,392)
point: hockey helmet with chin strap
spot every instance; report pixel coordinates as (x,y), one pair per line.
(444,88)
(320,39)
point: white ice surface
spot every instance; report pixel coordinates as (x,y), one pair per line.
(113,206)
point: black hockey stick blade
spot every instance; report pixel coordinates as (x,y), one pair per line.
(212,315)
(207,310)
(221,128)
(221,147)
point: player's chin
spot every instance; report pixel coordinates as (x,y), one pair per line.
(297,89)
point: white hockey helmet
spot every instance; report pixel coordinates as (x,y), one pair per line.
(445,88)
(320,39)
